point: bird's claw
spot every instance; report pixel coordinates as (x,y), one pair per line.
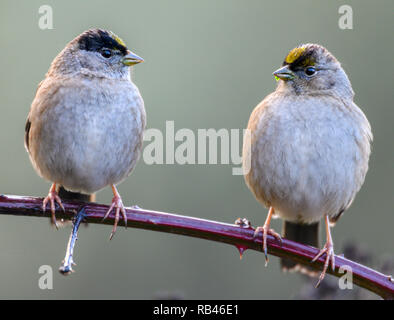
(266,231)
(117,204)
(328,249)
(52,198)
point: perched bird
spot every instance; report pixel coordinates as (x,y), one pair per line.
(307,153)
(85,127)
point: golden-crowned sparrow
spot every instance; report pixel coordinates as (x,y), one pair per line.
(308,147)
(85,126)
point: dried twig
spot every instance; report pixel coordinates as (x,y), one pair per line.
(240,235)
(68,261)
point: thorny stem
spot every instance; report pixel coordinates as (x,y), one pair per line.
(240,236)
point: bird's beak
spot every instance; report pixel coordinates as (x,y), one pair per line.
(284,73)
(131,59)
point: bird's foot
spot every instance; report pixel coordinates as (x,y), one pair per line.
(52,198)
(117,204)
(328,249)
(266,231)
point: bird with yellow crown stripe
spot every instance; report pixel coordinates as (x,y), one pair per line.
(307,153)
(85,127)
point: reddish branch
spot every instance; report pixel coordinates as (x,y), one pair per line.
(240,237)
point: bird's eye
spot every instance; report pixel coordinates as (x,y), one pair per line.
(106,53)
(310,71)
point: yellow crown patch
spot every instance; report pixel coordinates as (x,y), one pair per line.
(117,39)
(294,54)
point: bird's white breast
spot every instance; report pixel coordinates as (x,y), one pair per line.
(90,134)
(309,155)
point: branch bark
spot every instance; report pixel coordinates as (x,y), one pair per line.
(239,236)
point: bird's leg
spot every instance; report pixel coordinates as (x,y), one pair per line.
(266,231)
(118,205)
(53,198)
(328,249)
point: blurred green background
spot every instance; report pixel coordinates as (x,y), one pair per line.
(208,64)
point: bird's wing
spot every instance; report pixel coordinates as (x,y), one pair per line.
(28,123)
(27,131)
(363,137)
(334,219)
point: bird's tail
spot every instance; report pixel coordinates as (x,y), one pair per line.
(68,195)
(303,233)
